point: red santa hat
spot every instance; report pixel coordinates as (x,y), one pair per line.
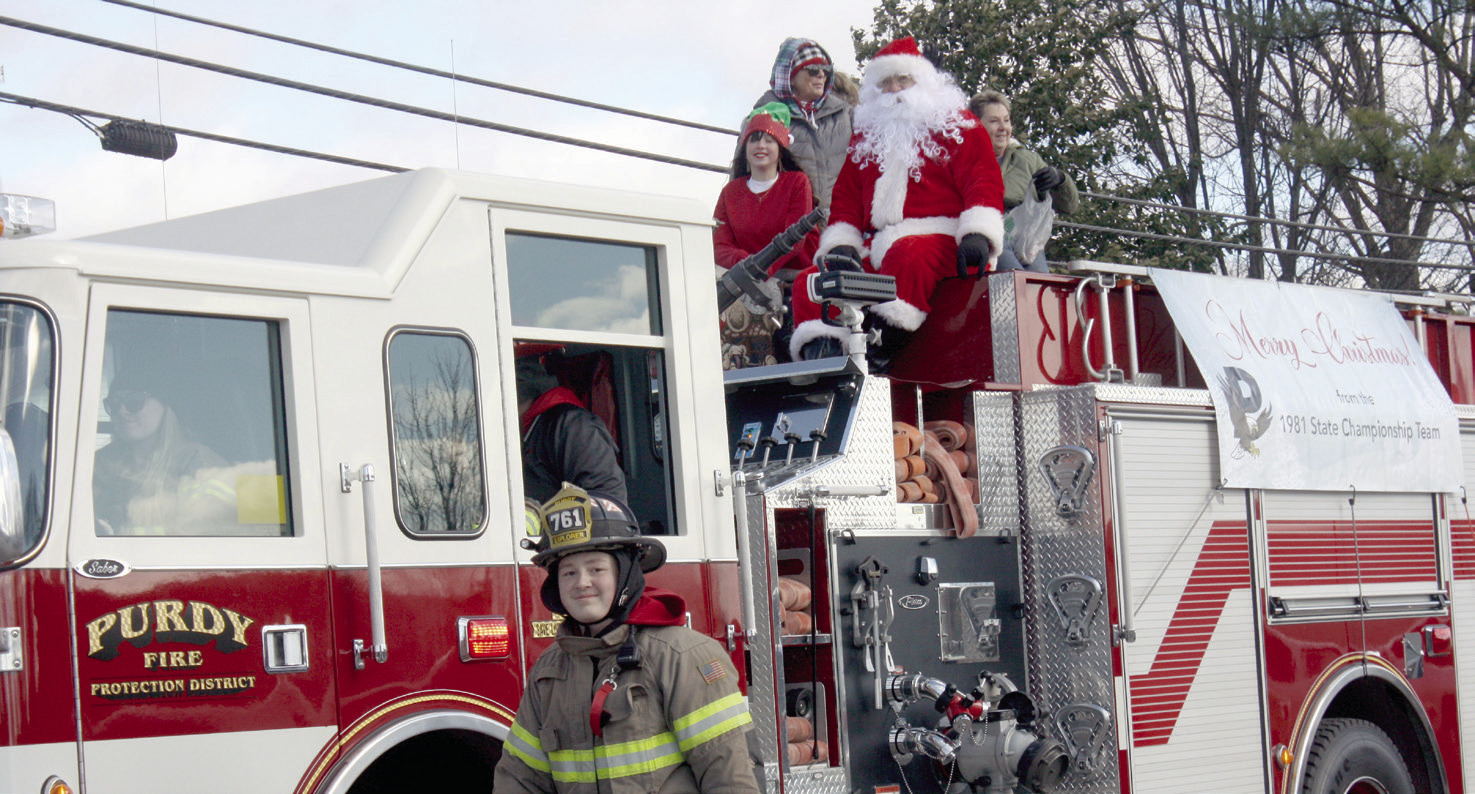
(898,58)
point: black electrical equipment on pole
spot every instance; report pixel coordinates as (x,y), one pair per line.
(138,138)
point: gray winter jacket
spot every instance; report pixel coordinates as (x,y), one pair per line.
(819,147)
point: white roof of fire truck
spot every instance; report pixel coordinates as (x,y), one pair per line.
(355,239)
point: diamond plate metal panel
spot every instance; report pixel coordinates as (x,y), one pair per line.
(1065,673)
(1004,314)
(995,459)
(868,462)
(765,653)
(1151,395)
(818,780)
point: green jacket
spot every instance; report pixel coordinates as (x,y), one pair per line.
(1019,166)
(676,726)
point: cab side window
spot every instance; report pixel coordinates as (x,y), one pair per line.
(439,487)
(191,434)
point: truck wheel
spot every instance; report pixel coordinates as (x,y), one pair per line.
(1354,757)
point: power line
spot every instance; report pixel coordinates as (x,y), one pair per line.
(700,126)
(706,127)
(439,115)
(78,113)
(1262,249)
(1256,219)
(423,69)
(352,97)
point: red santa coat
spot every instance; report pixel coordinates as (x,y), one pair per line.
(911,222)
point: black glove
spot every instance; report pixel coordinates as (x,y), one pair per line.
(841,257)
(973,254)
(1047,179)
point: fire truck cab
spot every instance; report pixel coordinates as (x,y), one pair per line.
(310,564)
(261,501)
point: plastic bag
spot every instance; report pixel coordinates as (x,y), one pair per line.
(1027,226)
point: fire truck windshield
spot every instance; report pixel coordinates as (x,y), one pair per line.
(27,369)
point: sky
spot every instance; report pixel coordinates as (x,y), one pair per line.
(689,59)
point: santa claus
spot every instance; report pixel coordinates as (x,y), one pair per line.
(920,193)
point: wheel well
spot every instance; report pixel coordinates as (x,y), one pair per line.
(442,747)
(1376,701)
(453,759)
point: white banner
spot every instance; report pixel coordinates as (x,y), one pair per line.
(1315,388)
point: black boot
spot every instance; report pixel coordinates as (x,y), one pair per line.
(888,340)
(821,347)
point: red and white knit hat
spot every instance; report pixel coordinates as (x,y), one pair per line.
(772,118)
(899,57)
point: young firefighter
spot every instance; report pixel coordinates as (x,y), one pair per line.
(627,699)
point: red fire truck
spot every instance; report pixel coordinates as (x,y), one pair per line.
(261,503)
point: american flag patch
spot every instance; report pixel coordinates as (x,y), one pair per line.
(713,671)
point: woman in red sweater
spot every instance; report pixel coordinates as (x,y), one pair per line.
(767,194)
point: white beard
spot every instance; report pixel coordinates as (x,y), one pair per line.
(898,130)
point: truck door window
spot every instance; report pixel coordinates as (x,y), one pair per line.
(582,285)
(439,488)
(589,286)
(191,437)
(625,388)
(27,366)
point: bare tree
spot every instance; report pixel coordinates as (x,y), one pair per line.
(1334,114)
(437,452)
(1395,155)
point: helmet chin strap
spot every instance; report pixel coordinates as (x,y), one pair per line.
(629,586)
(628,589)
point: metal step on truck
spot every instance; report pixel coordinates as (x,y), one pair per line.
(1112,530)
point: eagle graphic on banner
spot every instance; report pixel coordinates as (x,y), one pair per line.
(1242,396)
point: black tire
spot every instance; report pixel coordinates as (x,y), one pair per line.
(1354,757)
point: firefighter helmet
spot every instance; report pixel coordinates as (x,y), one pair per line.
(576,520)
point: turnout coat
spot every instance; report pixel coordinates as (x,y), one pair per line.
(676,725)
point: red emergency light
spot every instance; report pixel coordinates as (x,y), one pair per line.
(484,639)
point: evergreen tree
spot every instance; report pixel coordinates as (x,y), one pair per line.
(1046,55)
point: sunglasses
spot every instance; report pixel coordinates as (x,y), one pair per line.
(816,71)
(130,401)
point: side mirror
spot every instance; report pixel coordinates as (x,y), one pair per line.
(12,519)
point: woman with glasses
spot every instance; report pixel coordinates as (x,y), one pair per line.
(803,79)
(152,478)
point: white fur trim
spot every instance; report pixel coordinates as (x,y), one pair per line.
(899,313)
(909,227)
(836,235)
(810,330)
(888,65)
(888,205)
(988,222)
